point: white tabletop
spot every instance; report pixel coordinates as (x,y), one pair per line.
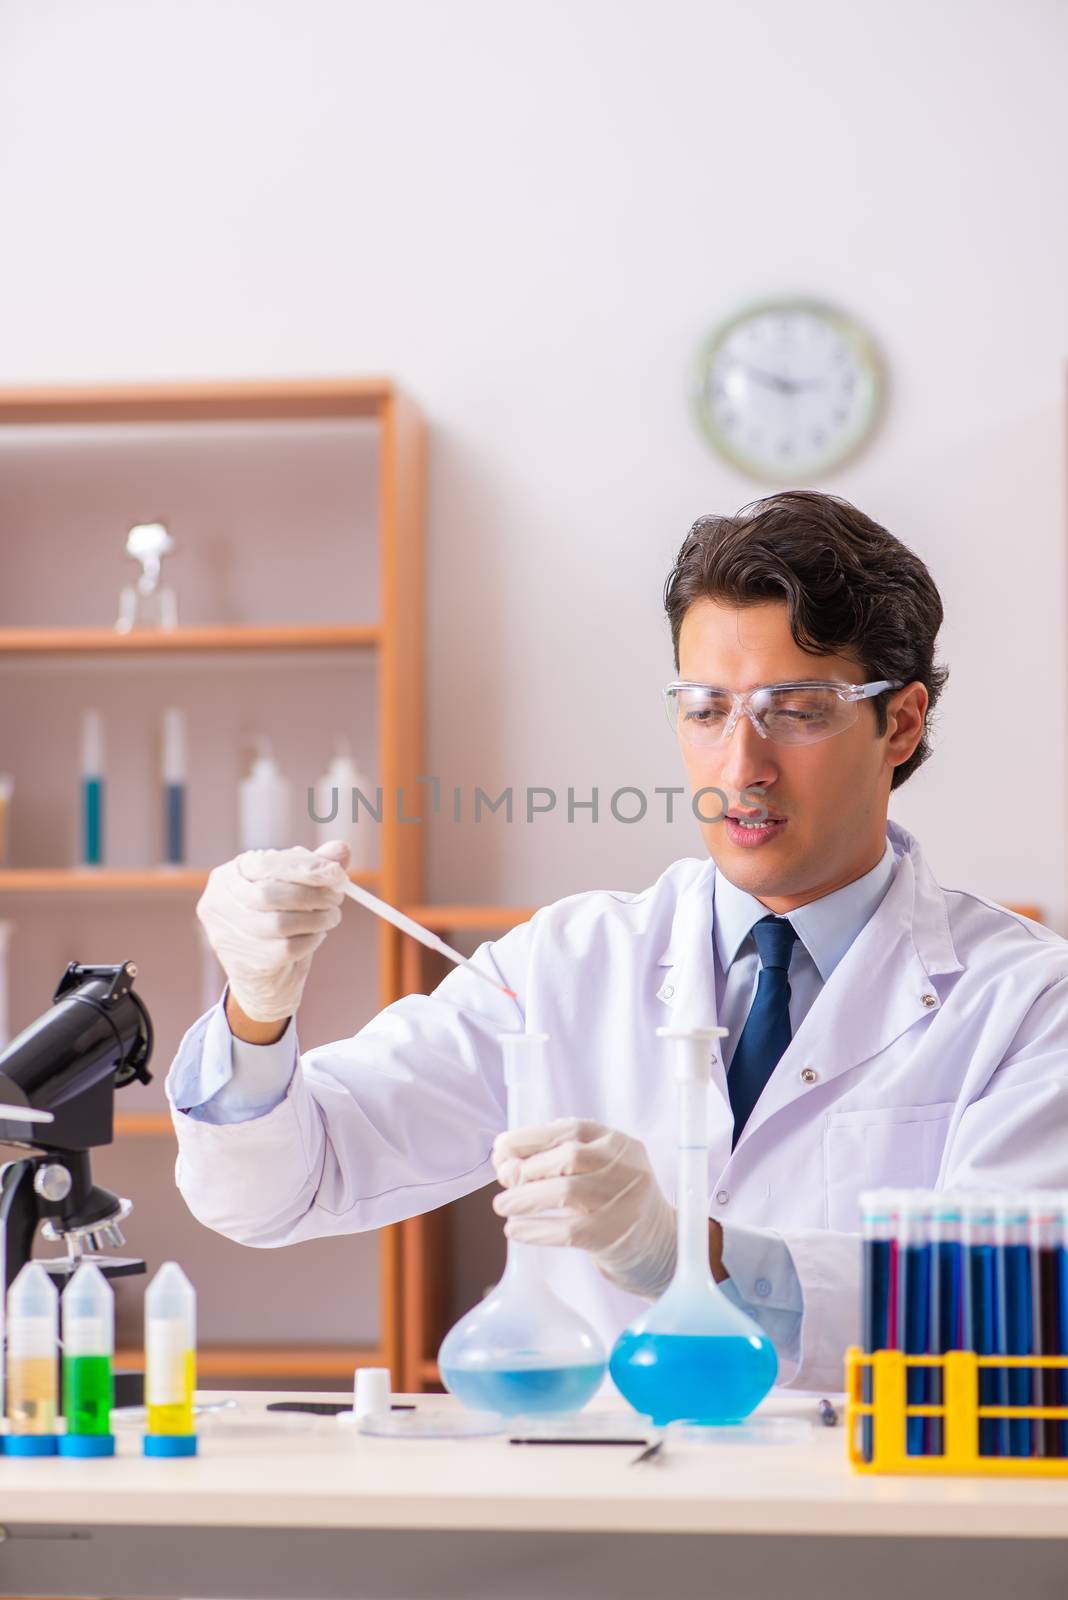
(258,1469)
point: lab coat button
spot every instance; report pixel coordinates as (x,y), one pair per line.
(809,1075)
(667,991)
(722,1197)
(762,1287)
(929,1000)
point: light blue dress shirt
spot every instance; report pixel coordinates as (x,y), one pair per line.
(763,1280)
(219,1078)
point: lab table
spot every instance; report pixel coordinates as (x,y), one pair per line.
(292,1506)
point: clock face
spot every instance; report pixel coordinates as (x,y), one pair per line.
(787,390)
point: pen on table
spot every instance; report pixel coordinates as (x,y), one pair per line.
(539,1440)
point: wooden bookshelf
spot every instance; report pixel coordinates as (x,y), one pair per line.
(186,641)
(105,880)
(239,400)
(392,640)
(271,1361)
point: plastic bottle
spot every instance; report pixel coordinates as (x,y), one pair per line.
(88,1311)
(333,797)
(32,1349)
(92,789)
(522,1350)
(170,1362)
(173,776)
(693,1356)
(265,814)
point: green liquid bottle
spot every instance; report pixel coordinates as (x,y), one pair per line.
(88,1352)
(87,1394)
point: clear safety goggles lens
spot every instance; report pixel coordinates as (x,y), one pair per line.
(785,713)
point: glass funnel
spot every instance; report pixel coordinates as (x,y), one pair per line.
(521,1349)
(693,1356)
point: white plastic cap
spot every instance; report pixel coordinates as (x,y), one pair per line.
(170,1297)
(173,745)
(33,1293)
(92,744)
(371,1391)
(88,1311)
(692,1055)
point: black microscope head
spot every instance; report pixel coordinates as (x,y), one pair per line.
(97,1037)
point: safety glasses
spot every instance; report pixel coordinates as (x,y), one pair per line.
(786,713)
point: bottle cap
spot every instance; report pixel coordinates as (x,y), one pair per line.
(84,1445)
(30,1444)
(371,1391)
(170,1444)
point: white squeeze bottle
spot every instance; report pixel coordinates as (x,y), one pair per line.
(344,776)
(265,814)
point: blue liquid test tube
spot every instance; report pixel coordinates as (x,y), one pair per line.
(947,1304)
(877,1221)
(914,1315)
(1014,1309)
(980,1314)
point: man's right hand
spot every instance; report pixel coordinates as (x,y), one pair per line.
(265,913)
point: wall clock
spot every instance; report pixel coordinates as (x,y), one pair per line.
(788,389)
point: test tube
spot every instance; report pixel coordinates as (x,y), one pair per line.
(914,1315)
(32,1349)
(1014,1311)
(980,1313)
(174,778)
(1044,1227)
(88,1311)
(877,1218)
(92,789)
(947,1302)
(170,1363)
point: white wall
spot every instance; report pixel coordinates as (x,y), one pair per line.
(530,215)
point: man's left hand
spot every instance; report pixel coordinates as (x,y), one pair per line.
(603,1196)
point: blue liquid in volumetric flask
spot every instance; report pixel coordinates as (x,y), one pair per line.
(710,1378)
(515,1390)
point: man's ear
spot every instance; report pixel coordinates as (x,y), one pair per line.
(906,716)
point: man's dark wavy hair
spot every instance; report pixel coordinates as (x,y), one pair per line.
(850,587)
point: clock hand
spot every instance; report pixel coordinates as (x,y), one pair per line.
(774,380)
(771,380)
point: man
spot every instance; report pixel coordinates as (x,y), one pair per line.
(883,1030)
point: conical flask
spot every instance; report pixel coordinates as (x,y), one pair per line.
(693,1356)
(522,1350)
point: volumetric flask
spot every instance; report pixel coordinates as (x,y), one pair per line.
(522,1350)
(693,1356)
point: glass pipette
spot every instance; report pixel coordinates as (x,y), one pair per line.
(406,924)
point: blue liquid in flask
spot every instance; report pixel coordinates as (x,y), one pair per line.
(703,1378)
(522,1350)
(527,1391)
(693,1356)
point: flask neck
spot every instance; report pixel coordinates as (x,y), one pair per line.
(524,1266)
(693,1261)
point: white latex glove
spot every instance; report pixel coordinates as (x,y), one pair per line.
(603,1191)
(265,913)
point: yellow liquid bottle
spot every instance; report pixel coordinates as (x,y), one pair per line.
(170,1363)
(32,1366)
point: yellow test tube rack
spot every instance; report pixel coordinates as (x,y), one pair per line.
(959,1411)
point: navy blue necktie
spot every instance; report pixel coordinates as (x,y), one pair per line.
(767,1027)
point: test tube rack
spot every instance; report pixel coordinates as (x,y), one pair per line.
(960,1412)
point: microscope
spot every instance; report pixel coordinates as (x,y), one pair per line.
(57,1092)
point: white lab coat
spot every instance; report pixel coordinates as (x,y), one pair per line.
(936,1055)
